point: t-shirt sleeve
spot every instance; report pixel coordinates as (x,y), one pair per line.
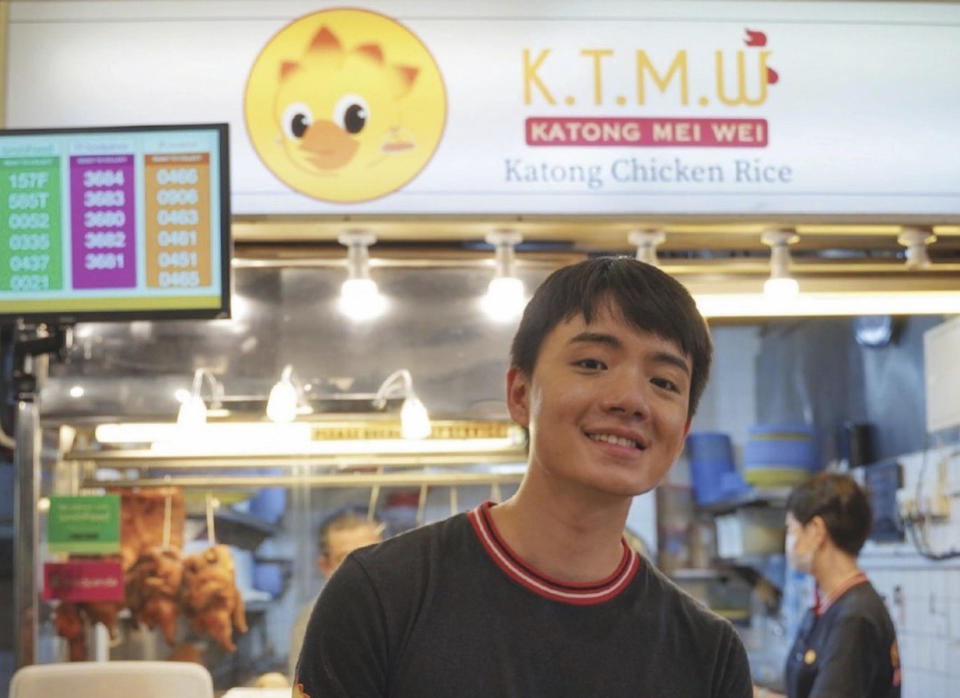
(344,651)
(734,669)
(849,658)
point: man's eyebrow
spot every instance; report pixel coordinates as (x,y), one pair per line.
(596,338)
(612,341)
(672,359)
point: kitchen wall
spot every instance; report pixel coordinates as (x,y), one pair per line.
(815,372)
(922,595)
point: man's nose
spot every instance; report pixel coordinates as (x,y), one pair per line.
(626,396)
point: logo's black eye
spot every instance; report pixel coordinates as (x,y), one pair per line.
(298,125)
(351,113)
(355,118)
(296,120)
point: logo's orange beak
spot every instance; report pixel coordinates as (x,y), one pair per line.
(327,146)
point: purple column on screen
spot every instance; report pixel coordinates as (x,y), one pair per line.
(103,221)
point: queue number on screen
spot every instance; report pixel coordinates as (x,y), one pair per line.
(28,221)
(102,178)
(179,279)
(103,260)
(177,238)
(95,241)
(29,262)
(27,201)
(28,180)
(26,242)
(29,282)
(93,198)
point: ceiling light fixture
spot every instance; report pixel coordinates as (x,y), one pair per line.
(780,285)
(282,403)
(505,297)
(916,241)
(193,410)
(414,420)
(360,299)
(646,242)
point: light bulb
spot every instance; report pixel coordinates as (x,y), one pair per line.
(361,300)
(504,300)
(781,288)
(282,403)
(414,420)
(193,413)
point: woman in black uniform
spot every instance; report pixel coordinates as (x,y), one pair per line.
(846,645)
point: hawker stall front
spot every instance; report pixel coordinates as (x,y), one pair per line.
(261,264)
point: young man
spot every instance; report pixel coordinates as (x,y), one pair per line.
(342,532)
(540,595)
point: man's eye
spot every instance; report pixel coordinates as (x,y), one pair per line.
(666,384)
(591,364)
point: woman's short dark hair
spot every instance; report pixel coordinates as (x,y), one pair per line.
(840,502)
(649,299)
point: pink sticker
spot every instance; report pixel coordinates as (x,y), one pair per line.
(83,580)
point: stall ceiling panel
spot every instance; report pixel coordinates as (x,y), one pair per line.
(607,108)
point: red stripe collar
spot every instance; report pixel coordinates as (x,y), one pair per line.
(822,604)
(537,582)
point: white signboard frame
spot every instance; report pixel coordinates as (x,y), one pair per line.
(604,108)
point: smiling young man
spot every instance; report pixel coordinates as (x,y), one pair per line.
(540,595)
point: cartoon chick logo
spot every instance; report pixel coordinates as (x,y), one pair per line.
(345,105)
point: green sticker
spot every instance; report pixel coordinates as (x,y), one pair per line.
(31,256)
(85,525)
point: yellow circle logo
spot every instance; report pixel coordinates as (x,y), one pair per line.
(345,105)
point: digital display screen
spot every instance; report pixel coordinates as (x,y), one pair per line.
(115,223)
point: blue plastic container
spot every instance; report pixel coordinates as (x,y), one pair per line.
(269,504)
(781,446)
(269,577)
(711,457)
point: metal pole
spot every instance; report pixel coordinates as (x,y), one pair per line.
(26,462)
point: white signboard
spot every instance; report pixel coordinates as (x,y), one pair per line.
(523,108)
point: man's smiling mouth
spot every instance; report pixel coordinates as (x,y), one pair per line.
(615,440)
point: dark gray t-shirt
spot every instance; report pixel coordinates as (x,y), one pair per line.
(449,610)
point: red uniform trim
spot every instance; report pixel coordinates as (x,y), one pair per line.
(822,604)
(543,585)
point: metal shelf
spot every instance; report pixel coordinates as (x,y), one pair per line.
(239,529)
(755,496)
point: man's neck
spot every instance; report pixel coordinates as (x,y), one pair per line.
(834,569)
(564,534)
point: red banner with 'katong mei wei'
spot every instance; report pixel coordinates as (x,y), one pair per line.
(650,131)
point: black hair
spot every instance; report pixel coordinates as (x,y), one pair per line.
(840,502)
(349,516)
(649,299)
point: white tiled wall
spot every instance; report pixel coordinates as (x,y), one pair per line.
(923,596)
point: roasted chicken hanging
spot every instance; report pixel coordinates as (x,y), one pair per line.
(211,600)
(103,612)
(142,515)
(153,586)
(69,622)
(69,626)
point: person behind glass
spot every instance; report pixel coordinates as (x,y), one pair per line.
(541,595)
(340,533)
(846,645)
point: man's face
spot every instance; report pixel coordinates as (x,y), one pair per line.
(342,542)
(606,405)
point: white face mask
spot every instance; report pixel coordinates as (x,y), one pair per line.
(800,561)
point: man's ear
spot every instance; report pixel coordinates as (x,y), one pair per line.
(518,396)
(820,531)
(323,564)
